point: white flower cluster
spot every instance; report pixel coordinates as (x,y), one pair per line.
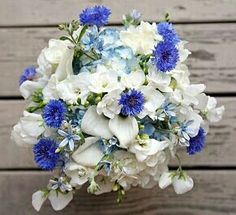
(109,107)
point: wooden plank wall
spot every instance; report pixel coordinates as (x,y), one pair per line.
(209,26)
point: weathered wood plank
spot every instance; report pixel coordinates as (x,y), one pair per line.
(212,61)
(220,149)
(214,194)
(38,12)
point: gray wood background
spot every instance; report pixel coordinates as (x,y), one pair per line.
(209,26)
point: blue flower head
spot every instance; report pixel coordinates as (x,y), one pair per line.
(132,102)
(54,113)
(44,154)
(97,15)
(197,143)
(167,31)
(165,57)
(28,74)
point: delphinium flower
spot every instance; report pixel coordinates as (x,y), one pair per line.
(97,15)
(28,74)
(197,143)
(165,57)
(45,155)
(132,102)
(69,138)
(54,113)
(167,31)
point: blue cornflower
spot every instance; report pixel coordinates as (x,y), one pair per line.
(132,102)
(97,15)
(167,31)
(69,138)
(166,56)
(54,113)
(45,155)
(197,143)
(28,74)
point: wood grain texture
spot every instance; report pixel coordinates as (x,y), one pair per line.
(213,194)
(220,149)
(212,61)
(43,12)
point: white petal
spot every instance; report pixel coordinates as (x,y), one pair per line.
(133,80)
(59,200)
(125,129)
(165,180)
(94,124)
(182,186)
(38,199)
(89,154)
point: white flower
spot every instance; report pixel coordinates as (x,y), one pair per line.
(141,39)
(183,52)
(103,81)
(153,100)
(208,105)
(28,87)
(109,106)
(89,154)
(55,51)
(28,129)
(148,150)
(134,79)
(181,182)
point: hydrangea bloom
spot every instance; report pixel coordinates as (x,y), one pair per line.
(45,155)
(28,74)
(110,105)
(167,31)
(197,143)
(132,102)
(97,15)
(165,57)
(54,113)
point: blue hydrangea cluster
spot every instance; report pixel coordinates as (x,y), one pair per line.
(196,144)
(166,56)
(54,113)
(44,154)
(97,15)
(167,31)
(132,102)
(28,74)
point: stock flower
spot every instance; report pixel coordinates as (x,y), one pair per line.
(97,15)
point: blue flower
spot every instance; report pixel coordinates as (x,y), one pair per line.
(166,56)
(44,154)
(167,31)
(132,102)
(28,74)
(54,113)
(197,143)
(97,15)
(69,138)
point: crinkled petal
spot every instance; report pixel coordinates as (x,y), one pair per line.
(38,198)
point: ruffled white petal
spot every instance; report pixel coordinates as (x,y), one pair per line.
(182,185)
(38,198)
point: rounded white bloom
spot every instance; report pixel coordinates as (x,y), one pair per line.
(165,180)
(182,184)
(55,51)
(141,39)
(28,88)
(183,52)
(109,105)
(153,100)
(28,129)
(38,198)
(134,79)
(103,81)
(149,151)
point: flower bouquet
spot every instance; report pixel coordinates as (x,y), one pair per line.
(109,107)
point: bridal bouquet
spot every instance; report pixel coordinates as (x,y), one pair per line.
(109,107)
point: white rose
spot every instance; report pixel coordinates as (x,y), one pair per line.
(141,39)
(28,129)
(109,106)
